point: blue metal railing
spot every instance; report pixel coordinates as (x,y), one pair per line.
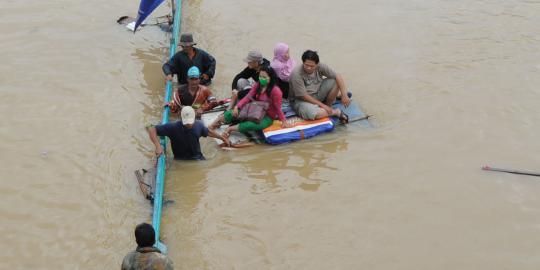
(160,176)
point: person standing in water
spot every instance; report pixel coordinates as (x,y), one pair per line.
(184,136)
(146,256)
(190,56)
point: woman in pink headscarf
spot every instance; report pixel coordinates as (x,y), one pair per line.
(283,66)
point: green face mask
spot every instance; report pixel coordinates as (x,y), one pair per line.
(263,81)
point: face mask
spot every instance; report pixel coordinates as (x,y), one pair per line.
(263,81)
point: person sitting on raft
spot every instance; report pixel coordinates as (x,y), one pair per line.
(264,90)
(313,83)
(184,136)
(192,94)
(283,65)
(241,83)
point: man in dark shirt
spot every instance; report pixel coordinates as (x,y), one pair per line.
(184,136)
(190,56)
(146,256)
(240,84)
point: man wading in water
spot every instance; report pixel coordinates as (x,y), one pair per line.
(146,256)
(184,136)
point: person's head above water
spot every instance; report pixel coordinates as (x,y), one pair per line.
(145,236)
(188,116)
(187,42)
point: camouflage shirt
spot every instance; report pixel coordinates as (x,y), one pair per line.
(146,258)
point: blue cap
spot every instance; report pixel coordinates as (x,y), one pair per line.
(193,72)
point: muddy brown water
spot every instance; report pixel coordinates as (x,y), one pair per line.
(452,85)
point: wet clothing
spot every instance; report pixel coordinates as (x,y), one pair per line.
(184,141)
(180,63)
(146,258)
(248,73)
(183,97)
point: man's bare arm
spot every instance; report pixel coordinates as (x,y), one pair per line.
(152,133)
(213,134)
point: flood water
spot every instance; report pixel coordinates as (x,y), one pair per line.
(452,86)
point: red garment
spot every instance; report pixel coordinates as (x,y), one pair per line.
(199,101)
(274,110)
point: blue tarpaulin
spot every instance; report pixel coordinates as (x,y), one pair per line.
(145,8)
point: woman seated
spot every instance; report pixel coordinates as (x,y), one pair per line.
(192,94)
(264,90)
(283,65)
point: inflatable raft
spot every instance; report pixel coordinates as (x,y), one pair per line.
(302,129)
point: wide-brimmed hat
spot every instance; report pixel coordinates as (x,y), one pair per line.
(254,55)
(187,40)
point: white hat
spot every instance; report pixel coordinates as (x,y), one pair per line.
(188,115)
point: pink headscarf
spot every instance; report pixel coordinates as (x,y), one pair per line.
(282,67)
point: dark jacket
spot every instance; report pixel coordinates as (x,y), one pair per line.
(180,63)
(248,73)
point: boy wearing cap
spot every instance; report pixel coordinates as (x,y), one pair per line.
(190,56)
(240,84)
(192,94)
(184,136)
